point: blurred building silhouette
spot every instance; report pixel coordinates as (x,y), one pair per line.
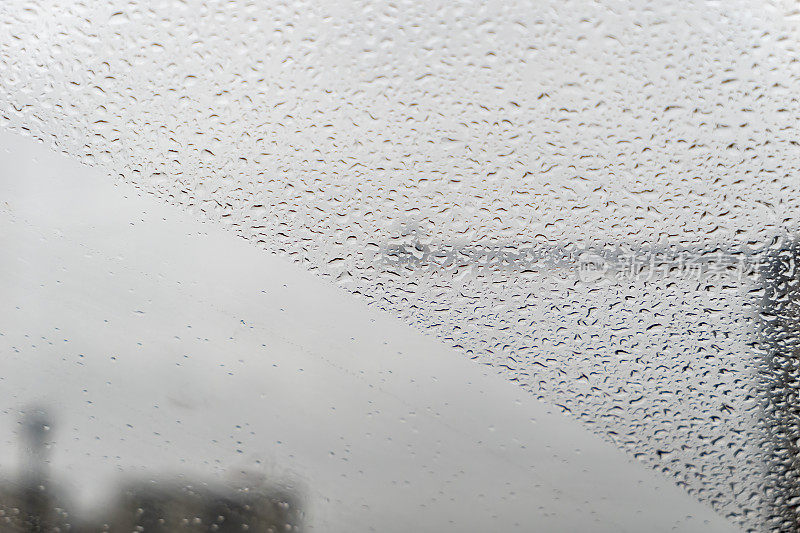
(167,507)
(32,503)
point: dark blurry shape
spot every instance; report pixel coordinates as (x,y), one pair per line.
(160,507)
(780,379)
(32,503)
(36,499)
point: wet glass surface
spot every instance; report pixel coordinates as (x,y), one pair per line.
(596,200)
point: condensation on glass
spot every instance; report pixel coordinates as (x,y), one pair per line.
(590,196)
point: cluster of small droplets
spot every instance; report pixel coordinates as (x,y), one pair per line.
(331,132)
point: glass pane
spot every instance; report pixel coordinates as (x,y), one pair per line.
(479,238)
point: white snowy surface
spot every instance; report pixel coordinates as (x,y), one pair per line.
(165,345)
